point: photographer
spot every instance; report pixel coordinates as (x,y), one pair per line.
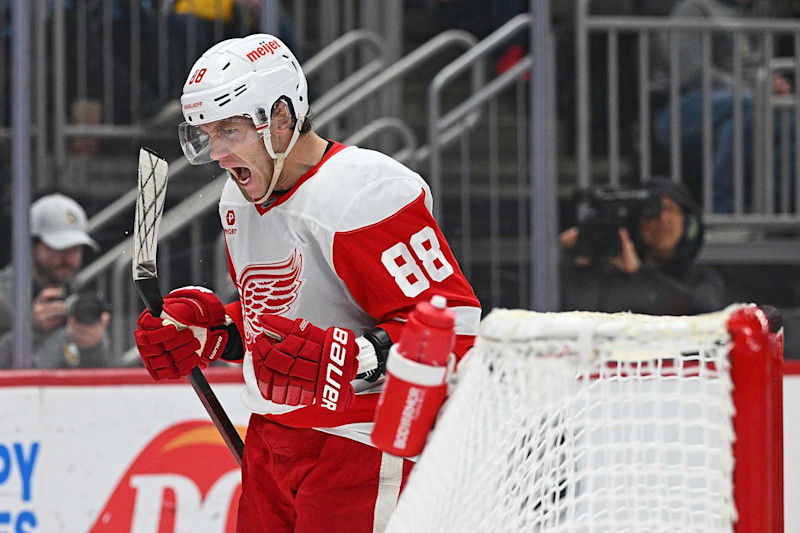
(68,330)
(636,252)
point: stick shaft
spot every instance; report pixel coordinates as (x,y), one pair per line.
(217,414)
(151,296)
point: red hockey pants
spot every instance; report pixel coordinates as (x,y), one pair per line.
(306,481)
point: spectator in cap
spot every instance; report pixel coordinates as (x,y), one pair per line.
(68,329)
(655,271)
(60,223)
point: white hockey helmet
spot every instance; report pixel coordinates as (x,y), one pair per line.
(241,77)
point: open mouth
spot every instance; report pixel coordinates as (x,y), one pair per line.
(241,174)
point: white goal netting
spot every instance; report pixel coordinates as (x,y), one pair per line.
(582,422)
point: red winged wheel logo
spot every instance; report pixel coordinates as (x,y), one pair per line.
(269,288)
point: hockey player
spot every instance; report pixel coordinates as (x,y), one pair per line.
(330,247)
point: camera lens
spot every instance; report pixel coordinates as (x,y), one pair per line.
(85,307)
(598,238)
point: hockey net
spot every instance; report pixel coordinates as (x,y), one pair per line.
(585,422)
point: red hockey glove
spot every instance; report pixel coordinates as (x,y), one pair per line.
(181,338)
(309,366)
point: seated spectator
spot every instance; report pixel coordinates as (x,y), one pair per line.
(68,329)
(723,103)
(655,271)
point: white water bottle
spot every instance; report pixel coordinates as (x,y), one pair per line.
(416,379)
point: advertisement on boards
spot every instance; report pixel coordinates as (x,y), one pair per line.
(135,457)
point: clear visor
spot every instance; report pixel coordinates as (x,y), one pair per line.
(210,142)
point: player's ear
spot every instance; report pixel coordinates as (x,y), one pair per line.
(281,117)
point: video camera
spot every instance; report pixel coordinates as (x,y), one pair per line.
(86,307)
(603,211)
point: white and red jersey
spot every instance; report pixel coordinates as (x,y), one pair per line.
(353,244)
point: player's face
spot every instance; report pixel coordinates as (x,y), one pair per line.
(663,232)
(249,162)
(237,147)
(56,267)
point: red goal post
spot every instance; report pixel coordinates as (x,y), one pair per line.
(608,422)
(757,374)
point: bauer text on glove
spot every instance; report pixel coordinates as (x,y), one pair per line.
(308,365)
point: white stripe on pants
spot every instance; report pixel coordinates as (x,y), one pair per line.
(391,475)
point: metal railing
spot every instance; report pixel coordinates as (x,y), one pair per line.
(329,120)
(624,150)
(105,70)
(777,113)
(482,185)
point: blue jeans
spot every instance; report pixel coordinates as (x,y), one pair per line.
(722,102)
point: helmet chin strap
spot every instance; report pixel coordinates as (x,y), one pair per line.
(278,158)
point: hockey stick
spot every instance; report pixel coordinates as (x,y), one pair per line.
(149,208)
